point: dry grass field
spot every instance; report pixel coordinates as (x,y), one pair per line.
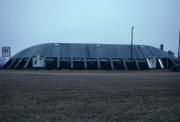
(89,96)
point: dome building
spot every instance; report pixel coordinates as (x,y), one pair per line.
(91,57)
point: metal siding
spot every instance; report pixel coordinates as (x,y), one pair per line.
(91,50)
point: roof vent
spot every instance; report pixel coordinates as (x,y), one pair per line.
(56,44)
(98,45)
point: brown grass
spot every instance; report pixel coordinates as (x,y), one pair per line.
(89,96)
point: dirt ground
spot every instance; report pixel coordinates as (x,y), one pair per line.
(89,96)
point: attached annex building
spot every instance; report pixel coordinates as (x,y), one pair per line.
(90,57)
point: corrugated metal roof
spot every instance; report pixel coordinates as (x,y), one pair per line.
(91,50)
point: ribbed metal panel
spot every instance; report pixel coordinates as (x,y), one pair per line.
(91,50)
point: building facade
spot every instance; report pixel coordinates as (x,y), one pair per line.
(91,57)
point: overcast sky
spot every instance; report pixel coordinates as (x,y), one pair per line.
(24,23)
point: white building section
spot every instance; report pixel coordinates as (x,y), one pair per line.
(151,63)
(161,64)
(38,62)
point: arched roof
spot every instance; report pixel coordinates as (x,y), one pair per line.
(91,50)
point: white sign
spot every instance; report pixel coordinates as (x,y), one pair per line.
(38,62)
(152,62)
(6,51)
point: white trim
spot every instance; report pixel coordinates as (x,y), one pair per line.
(161,64)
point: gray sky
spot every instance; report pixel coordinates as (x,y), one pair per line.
(24,23)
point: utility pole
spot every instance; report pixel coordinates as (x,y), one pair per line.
(132,34)
(179,47)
